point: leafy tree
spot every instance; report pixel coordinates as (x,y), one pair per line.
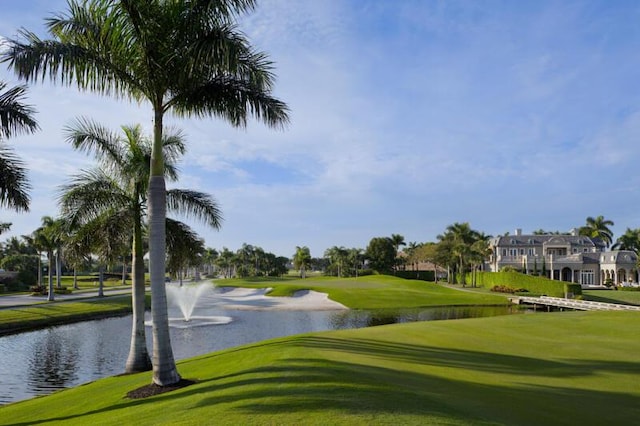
(15,117)
(381,254)
(181,56)
(598,227)
(302,260)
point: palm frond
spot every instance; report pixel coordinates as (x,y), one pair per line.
(232,100)
(195,204)
(14,186)
(88,136)
(15,116)
(90,194)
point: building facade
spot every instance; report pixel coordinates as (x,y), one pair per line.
(572,258)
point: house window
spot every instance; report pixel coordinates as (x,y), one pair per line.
(504,252)
(513,241)
(575,250)
(531,252)
(587,277)
(521,252)
(513,252)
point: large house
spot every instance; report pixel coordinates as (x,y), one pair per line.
(572,258)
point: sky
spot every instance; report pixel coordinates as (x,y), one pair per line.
(406,117)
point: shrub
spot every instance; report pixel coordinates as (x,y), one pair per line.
(507,289)
(538,285)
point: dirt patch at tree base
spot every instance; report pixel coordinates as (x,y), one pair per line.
(153,389)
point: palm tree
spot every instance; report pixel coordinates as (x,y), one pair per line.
(119,188)
(182,56)
(397,240)
(302,260)
(185,248)
(337,258)
(598,228)
(630,240)
(46,238)
(15,117)
(459,237)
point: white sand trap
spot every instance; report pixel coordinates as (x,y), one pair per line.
(256,299)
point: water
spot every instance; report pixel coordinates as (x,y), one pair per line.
(42,361)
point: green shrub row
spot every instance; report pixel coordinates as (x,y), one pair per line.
(533,284)
(416,275)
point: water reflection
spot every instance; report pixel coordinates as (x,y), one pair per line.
(362,318)
(42,361)
(52,363)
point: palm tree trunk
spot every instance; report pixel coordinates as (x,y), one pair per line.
(164,367)
(58,268)
(138,359)
(101,282)
(39,269)
(51,297)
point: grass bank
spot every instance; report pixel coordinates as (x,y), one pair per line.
(551,369)
(372,291)
(22,318)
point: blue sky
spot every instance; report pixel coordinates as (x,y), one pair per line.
(406,116)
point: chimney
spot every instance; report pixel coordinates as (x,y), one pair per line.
(518,232)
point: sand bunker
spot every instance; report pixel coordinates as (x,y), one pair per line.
(256,299)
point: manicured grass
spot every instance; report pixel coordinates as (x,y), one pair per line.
(372,291)
(613,296)
(45,314)
(553,368)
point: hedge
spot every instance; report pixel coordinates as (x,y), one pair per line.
(533,284)
(415,275)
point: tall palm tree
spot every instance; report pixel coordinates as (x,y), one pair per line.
(15,117)
(119,186)
(598,227)
(182,56)
(630,240)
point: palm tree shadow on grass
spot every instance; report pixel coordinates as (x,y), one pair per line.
(380,384)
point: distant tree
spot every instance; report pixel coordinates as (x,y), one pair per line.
(337,257)
(381,254)
(459,237)
(598,227)
(184,248)
(302,260)
(225,262)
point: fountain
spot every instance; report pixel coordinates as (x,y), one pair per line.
(185,298)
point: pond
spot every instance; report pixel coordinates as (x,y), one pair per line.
(43,361)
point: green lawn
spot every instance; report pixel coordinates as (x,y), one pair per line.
(45,314)
(538,369)
(372,291)
(613,296)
